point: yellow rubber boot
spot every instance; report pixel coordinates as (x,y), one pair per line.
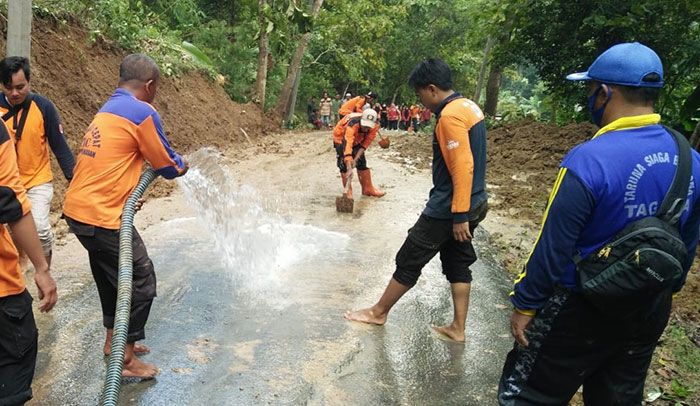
(368,188)
(345,180)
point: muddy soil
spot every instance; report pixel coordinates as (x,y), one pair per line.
(255,269)
(78,76)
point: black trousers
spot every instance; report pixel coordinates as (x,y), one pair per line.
(18,348)
(103,250)
(430,236)
(339,154)
(571,343)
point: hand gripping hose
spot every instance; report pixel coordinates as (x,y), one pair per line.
(113,379)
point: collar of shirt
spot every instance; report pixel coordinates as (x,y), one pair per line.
(17,107)
(455,95)
(123,92)
(626,123)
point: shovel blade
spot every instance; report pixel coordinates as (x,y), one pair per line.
(344,204)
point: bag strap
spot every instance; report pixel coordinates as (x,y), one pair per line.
(25,106)
(11,112)
(674,203)
(23,118)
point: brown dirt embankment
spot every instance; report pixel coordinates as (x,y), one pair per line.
(79,76)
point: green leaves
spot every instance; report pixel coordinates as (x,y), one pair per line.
(196,54)
(562,37)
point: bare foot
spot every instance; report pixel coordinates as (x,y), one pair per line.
(449,333)
(139,349)
(366,316)
(135,368)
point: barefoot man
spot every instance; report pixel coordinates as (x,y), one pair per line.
(457,202)
(124,132)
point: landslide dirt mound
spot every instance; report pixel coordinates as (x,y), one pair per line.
(523,161)
(79,76)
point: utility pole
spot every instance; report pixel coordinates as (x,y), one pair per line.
(19,27)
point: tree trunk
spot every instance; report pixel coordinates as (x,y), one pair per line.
(490,41)
(261,80)
(293,98)
(493,86)
(295,66)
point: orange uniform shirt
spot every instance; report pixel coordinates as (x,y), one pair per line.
(353,105)
(348,130)
(415,111)
(41,129)
(123,133)
(13,206)
(452,134)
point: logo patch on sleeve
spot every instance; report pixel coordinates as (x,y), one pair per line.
(452,144)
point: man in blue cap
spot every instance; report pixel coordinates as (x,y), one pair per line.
(622,175)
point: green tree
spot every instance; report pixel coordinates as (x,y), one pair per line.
(560,37)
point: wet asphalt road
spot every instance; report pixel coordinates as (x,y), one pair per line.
(262,324)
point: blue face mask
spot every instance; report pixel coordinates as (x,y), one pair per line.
(597,115)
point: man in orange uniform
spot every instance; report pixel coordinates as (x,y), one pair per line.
(125,131)
(18,333)
(352,136)
(457,202)
(415,116)
(356,104)
(34,125)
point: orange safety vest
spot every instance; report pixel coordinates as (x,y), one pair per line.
(348,130)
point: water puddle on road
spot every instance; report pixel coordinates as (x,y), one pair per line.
(257,243)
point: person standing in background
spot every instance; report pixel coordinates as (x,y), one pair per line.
(325,109)
(393,116)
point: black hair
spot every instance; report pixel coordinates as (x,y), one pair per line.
(138,67)
(642,95)
(11,65)
(433,71)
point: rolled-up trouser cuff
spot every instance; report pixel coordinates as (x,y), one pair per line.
(138,317)
(458,276)
(406,277)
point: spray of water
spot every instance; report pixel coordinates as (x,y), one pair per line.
(257,245)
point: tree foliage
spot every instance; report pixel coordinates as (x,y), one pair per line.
(559,37)
(373,44)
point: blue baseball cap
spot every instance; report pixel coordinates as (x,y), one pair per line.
(624,64)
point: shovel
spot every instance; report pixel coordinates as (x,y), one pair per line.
(343,203)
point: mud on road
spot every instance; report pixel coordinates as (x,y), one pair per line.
(255,270)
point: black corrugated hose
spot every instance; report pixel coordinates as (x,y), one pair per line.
(113,378)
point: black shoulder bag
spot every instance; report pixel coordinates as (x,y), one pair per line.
(646,257)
